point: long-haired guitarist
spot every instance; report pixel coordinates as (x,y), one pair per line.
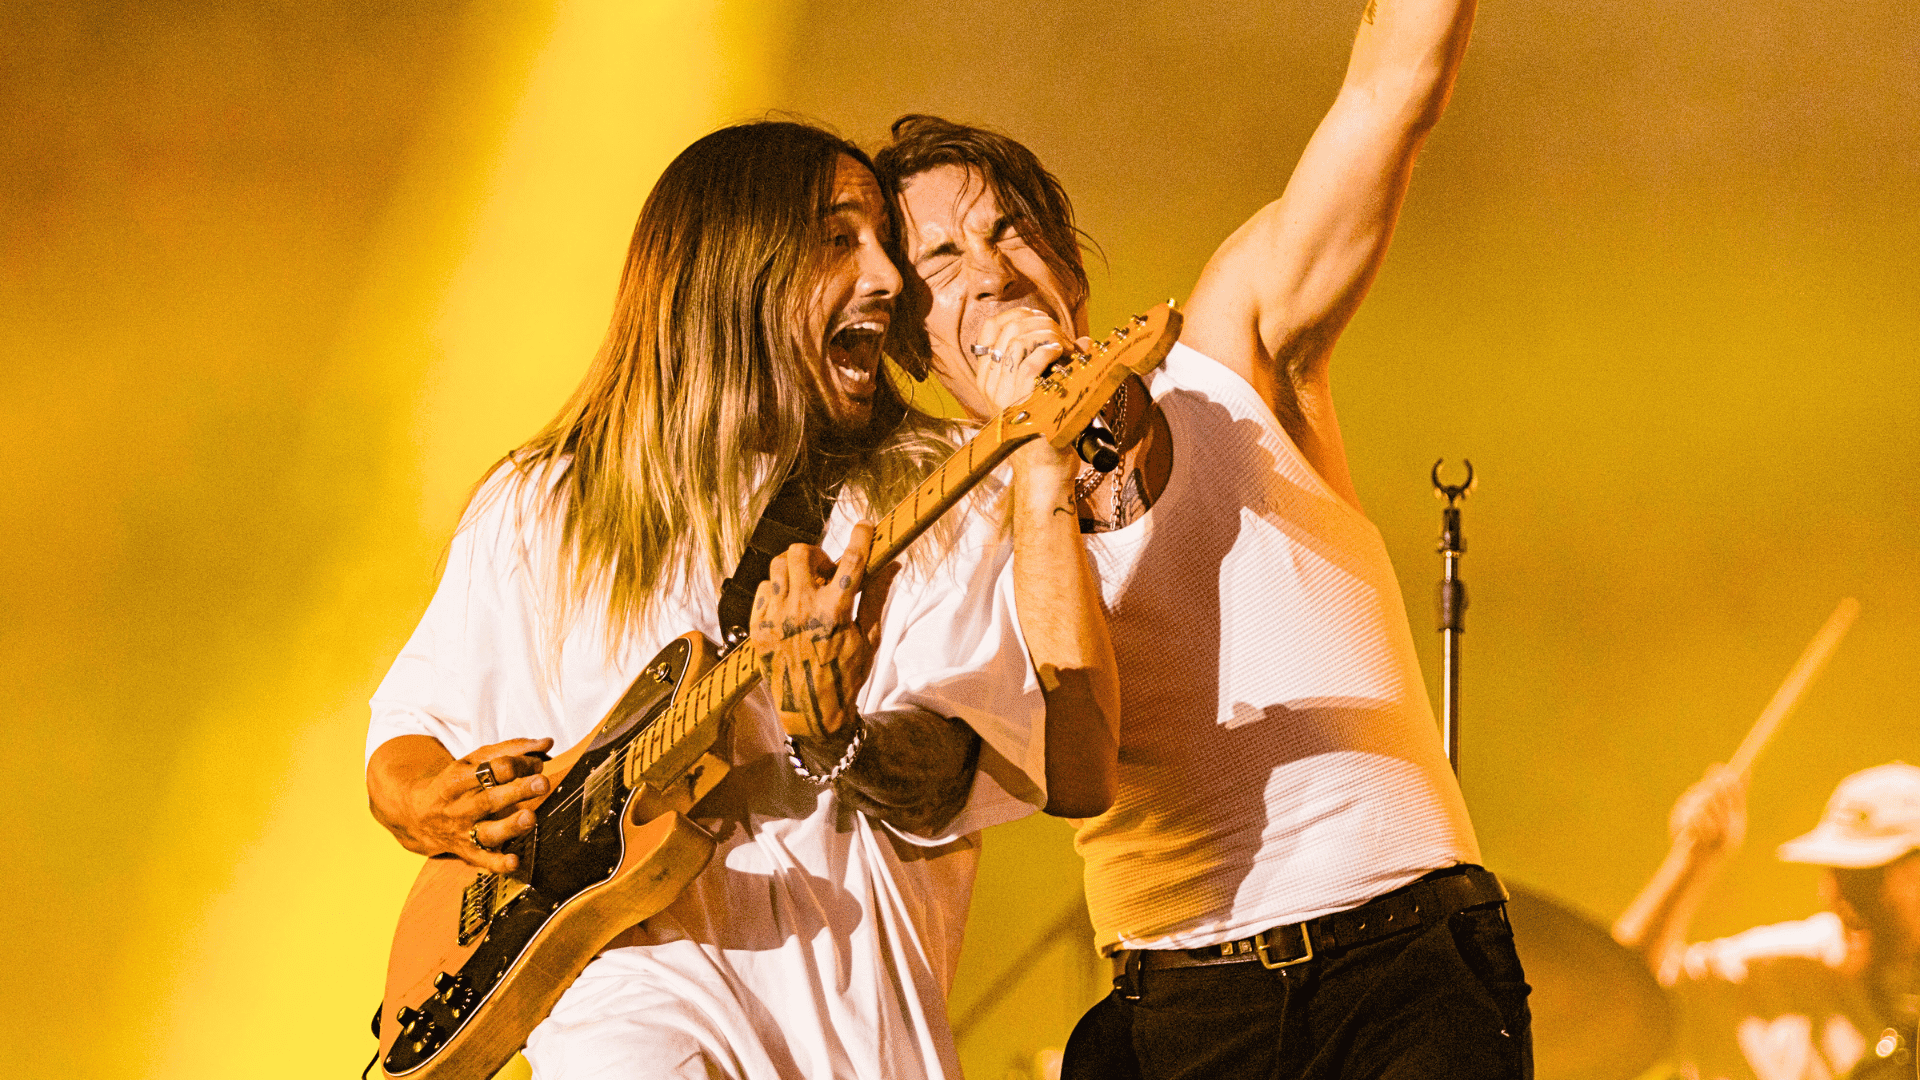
(889,727)
(1286,879)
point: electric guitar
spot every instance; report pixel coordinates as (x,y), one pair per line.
(479,958)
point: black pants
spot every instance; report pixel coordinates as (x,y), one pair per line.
(1447,1000)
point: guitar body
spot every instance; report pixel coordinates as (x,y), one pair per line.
(479,960)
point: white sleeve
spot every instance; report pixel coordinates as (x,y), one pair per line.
(472,667)
(951,645)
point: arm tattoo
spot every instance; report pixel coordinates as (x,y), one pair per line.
(1372,6)
(914,772)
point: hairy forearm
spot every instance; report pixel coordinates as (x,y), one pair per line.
(1067,639)
(913,771)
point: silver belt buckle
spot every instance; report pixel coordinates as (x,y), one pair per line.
(1260,947)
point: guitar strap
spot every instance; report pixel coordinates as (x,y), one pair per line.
(797,515)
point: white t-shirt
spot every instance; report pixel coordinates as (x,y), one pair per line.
(818,942)
(1278,758)
(1773,1003)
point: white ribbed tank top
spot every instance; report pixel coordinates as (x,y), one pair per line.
(1278,756)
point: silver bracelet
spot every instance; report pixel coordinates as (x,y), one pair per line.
(846,759)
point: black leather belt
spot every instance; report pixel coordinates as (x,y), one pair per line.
(1422,903)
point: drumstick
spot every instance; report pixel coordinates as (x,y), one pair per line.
(1805,670)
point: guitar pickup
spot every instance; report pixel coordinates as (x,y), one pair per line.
(598,794)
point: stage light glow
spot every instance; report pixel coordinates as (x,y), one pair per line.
(261,921)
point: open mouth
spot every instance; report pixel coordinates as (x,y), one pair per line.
(854,354)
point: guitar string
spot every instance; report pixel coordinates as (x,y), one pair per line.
(627,751)
(935,484)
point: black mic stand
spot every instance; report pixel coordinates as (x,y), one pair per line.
(1451,607)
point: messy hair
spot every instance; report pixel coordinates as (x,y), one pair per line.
(1023,188)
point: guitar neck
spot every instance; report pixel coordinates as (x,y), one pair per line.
(676,740)
(938,492)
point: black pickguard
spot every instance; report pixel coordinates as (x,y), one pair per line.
(564,865)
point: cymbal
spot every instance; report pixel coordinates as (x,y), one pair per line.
(1598,1014)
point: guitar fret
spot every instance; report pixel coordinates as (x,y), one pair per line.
(687,721)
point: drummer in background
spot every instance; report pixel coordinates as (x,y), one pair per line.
(1804,1000)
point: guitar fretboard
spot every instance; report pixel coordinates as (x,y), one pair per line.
(1072,394)
(676,740)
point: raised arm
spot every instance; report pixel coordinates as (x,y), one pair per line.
(1276,295)
(1707,826)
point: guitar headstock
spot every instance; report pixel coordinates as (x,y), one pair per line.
(1067,398)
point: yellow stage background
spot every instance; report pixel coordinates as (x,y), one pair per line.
(278,281)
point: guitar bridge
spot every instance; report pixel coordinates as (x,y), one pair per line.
(489,894)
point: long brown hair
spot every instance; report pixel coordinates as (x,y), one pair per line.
(696,407)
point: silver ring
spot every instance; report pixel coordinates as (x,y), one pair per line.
(473,834)
(980,350)
(484,773)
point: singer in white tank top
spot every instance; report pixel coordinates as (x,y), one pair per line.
(1280,793)
(1278,757)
